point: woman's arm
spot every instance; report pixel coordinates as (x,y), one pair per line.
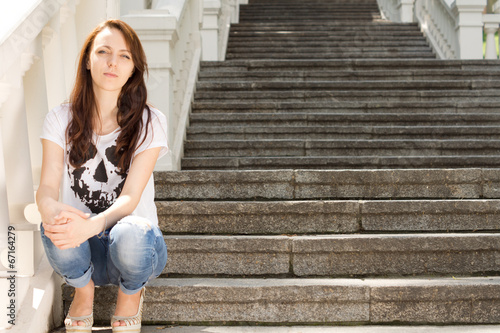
(47,195)
(78,229)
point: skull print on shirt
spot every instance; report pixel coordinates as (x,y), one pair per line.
(97,182)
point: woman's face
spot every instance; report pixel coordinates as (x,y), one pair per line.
(110,61)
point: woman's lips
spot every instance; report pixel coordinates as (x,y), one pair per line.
(110,75)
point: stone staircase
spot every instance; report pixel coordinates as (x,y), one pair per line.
(335,172)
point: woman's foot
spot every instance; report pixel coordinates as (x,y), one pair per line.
(82,304)
(126,306)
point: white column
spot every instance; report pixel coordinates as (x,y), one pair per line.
(157,31)
(210,30)
(405,8)
(470,28)
(18,171)
(69,41)
(234,10)
(113,9)
(53,57)
(4,203)
(15,140)
(89,13)
(36,107)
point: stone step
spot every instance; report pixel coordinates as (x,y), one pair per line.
(342,4)
(312,301)
(358,3)
(330,109)
(356,147)
(344,98)
(468,84)
(291,17)
(394,184)
(326,43)
(333,255)
(305,34)
(295,11)
(326,216)
(337,26)
(311,2)
(357,34)
(339,162)
(241,74)
(368,132)
(308,6)
(296,119)
(298,14)
(331,39)
(329,49)
(350,55)
(353,64)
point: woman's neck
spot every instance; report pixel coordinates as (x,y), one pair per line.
(107,110)
(106,102)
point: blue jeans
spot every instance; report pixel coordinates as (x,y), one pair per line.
(128,255)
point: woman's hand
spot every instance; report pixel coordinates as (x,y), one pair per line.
(51,209)
(70,231)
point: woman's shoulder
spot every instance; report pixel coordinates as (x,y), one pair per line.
(155,113)
(61,112)
(156,116)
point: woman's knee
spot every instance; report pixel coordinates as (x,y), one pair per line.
(131,243)
(131,232)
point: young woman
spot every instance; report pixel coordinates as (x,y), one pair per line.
(96,194)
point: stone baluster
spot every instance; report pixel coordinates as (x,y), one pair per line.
(491,25)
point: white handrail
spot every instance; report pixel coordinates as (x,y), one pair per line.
(454,28)
(439,24)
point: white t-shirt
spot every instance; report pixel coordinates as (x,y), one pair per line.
(94,186)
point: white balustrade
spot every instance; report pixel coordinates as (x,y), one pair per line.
(397,10)
(217,18)
(438,23)
(38,51)
(454,28)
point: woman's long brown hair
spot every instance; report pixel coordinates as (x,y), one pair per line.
(131,102)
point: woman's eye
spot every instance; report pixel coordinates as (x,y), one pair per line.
(126,56)
(101,51)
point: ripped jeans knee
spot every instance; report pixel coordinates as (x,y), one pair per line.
(138,251)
